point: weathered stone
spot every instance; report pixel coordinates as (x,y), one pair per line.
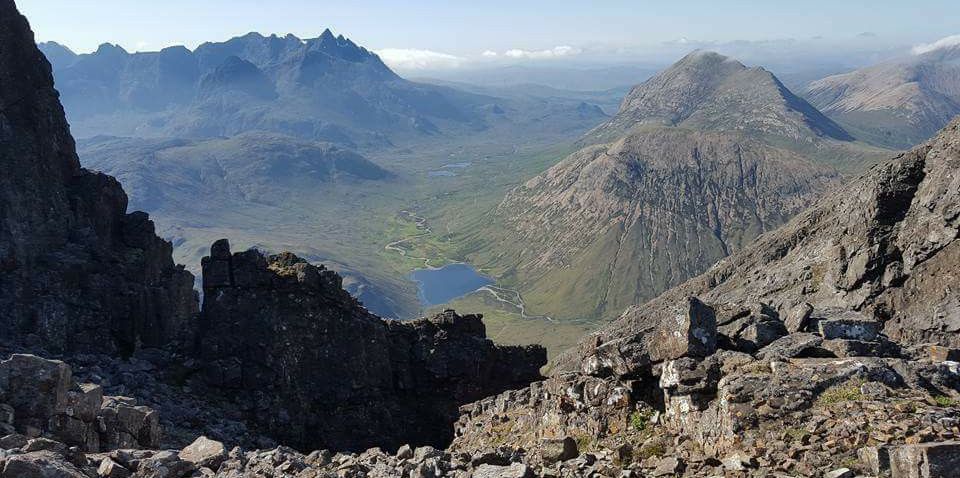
(942,354)
(14,440)
(790,346)
(111,469)
(41,464)
(127,425)
(164,464)
(516,470)
(849,328)
(36,388)
(668,466)
(927,460)
(405,452)
(798,318)
(851,348)
(45,444)
(204,452)
(875,459)
(559,449)
(839,473)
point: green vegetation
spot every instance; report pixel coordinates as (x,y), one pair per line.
(945,401)
(640,419)
(849,392)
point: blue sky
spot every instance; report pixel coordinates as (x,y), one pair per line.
(532,29)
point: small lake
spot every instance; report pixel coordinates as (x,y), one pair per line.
(441,285)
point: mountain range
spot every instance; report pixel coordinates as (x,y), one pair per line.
(897,103)
(700,159)
(326,89)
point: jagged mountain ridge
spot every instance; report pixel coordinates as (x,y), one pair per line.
(737,154)
(326,88)
(896,103)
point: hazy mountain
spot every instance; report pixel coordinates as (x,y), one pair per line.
(323,89)
(58,55)
(896,103)
(700,159)
(163,175)
(320,88)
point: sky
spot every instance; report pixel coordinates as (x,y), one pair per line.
(424,34)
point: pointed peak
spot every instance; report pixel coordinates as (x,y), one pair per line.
(327,35)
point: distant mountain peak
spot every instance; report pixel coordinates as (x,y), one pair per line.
(708,91)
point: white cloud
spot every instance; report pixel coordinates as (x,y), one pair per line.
(489,54)
(411,59)
(947,42)
(555,52)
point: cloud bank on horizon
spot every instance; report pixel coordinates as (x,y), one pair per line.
(406,59)
(946,42)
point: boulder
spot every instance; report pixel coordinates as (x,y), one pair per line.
(204,452)
(926,460)
(111,469)
(13,440)
(790,346)
(875,459)
(684,329)
(553,450)
(939,353)
(127,425)
(164,464)
(516,470)
(851,327)
(35,387)
(798,317)
(41,464)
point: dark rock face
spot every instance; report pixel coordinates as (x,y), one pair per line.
(77,272)
(309,364)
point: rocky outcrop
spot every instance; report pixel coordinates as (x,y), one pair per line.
(39,398)
(310,365)
(807,353)
(77,273)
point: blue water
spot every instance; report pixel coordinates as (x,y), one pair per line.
(439,286)
(437,174)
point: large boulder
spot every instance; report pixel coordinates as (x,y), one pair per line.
(687,328)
